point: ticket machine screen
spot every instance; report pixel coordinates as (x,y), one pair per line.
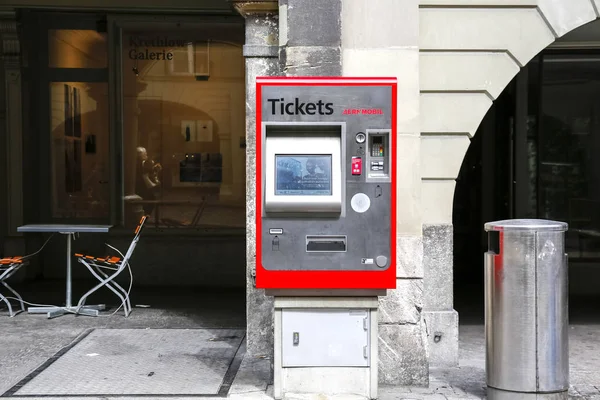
(304,175)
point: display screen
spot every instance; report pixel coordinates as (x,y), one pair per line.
(303,175)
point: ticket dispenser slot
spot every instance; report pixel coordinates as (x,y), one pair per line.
(325,243)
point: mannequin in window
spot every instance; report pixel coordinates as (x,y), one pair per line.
(147,182)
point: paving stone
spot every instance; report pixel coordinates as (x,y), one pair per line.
(427,390)
(466,397)
(140,362)
(445,390)
(587,390)
(434,396)
(459,392)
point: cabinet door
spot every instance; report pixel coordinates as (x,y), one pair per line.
(325,338)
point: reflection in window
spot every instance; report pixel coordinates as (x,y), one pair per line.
(70,48)
(79,131)
(184,125)
(568,149)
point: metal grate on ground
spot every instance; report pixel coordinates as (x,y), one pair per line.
(140,362)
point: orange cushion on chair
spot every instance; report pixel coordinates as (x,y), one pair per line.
(107,259)
(9,260)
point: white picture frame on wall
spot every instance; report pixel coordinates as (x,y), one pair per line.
(188,130)
(197,130)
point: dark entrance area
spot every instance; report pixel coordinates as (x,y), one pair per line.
(535,155)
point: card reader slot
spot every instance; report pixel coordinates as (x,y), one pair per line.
(326,243)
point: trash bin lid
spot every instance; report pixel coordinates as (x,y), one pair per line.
(526,225)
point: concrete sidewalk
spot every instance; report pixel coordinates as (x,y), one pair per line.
(28,341)
(466,381)
(253,379)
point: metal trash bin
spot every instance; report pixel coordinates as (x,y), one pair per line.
(526,309)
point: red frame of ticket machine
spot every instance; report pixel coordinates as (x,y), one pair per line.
(299,279)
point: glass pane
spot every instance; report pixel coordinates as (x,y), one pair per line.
(568,149)
(70,48)
(533,104)
(79,155)
(184,130)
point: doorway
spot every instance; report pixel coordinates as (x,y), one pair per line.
(535,156)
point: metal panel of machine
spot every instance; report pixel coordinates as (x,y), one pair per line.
(326,186)
(325,338)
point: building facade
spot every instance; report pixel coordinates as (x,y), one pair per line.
(453,59)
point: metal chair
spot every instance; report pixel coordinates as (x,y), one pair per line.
(8,267)
(106,269)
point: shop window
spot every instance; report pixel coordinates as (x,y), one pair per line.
(79,149)
(183,131)
(70,48)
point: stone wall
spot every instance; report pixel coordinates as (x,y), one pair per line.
(310,37)
(330,39)
(261,52)
(381,39)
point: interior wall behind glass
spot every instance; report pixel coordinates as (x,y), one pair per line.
(77,48)
(79,149)
(78,124)
(184,127)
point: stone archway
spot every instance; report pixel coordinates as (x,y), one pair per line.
(469,51)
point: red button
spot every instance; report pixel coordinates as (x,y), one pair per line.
(356,165)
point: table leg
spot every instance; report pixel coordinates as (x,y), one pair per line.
(44,310)
(69,288)
(92,311)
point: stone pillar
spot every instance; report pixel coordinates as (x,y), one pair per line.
(238,168)
(310,37)
(261,52)
(381,38)
(440,317)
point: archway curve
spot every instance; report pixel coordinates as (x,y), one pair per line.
(470,50)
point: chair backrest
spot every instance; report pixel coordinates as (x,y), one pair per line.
(136,238)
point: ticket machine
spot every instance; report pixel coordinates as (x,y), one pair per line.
(326,225)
